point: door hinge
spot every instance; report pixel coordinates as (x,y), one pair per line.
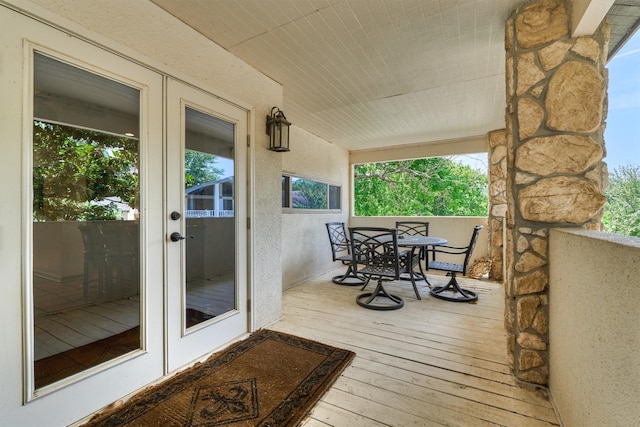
(249,305)
(248,223)
(248,140)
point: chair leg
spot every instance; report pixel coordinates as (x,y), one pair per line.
(427,281)
(366,300)
(349,278)
(453,292)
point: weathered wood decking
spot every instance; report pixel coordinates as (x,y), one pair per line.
(433,362)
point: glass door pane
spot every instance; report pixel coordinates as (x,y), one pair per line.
(209,202)
(86,224)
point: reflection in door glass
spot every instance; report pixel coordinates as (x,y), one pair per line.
(210,217)
(86,263)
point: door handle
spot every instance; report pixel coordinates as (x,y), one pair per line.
(176,237)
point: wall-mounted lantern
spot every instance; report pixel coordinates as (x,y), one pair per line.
(278,130)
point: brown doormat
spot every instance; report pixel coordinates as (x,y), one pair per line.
(270,379)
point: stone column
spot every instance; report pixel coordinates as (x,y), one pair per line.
(556,106)
(497,200)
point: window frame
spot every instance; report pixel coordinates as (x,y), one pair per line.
(287,196)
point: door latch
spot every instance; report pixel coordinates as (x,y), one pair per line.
(176,237)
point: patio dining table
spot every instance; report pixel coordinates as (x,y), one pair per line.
(415,243)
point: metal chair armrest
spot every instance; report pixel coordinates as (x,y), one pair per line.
(454,250)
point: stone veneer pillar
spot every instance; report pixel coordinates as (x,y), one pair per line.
(556,106)
(497,200)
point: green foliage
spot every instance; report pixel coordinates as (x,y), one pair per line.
(200,168)
(622,210)
(424,187)
(76,170)
(308,194)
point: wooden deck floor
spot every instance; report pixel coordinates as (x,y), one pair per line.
(433,362)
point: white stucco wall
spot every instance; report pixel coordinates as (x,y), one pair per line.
(594,327)
(305,244)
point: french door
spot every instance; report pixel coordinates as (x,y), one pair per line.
(133,241)
(206,223)
(93,217)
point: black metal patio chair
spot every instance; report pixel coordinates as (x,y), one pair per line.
(341,251)
(377,251)
(412,228)
(452,290)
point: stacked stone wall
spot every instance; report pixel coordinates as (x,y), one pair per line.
(556,106)
(497,200)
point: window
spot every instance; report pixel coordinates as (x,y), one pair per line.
(436,186)
(227,189)
(286,196)
(334,197)
(303,193)
(86,223)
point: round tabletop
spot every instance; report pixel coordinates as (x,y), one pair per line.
(404,240)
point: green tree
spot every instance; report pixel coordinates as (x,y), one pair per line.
(200,168)
(76,172)
(423,187)
(309,194)
(622,210)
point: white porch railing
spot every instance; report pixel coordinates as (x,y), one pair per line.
(198,213)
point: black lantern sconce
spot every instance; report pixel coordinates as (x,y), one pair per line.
(278,130)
